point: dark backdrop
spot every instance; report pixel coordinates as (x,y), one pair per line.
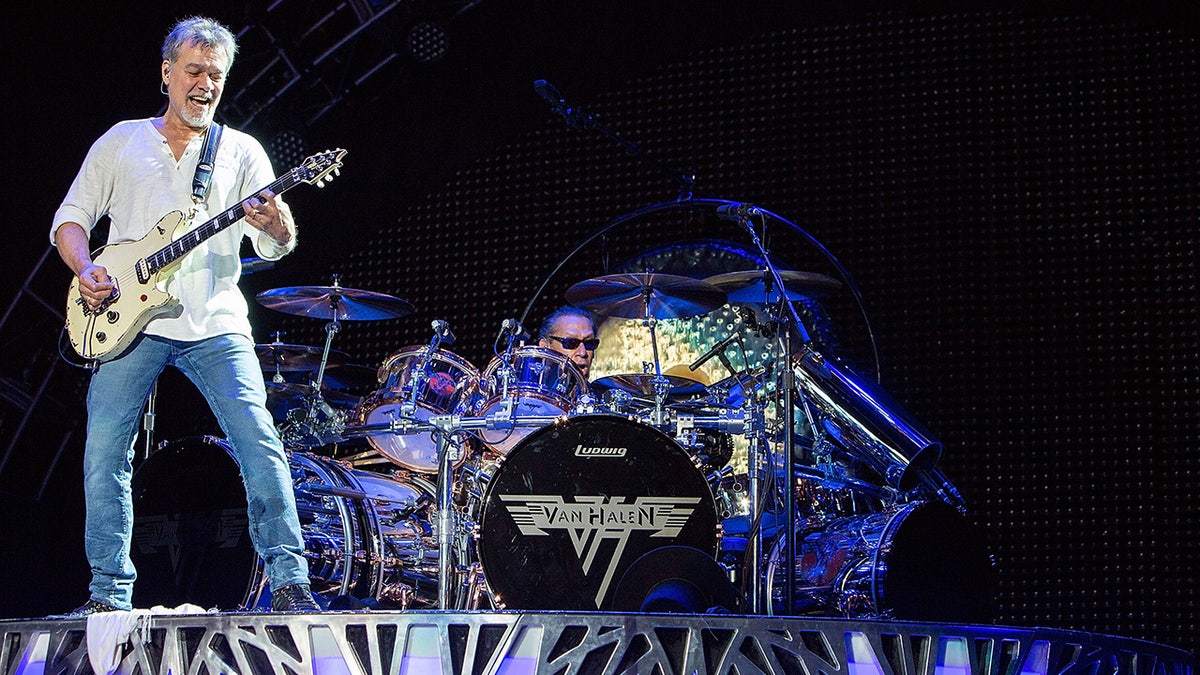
(1013,189)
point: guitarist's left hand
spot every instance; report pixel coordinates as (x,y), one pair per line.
(266,211)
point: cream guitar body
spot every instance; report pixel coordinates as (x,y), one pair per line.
(103,333)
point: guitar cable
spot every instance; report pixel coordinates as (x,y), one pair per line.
(63,353)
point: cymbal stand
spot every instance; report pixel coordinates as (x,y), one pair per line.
(321,424)
(277,378)
(149,417)
(757,450)
(760,602)
(332,328)
(661,385)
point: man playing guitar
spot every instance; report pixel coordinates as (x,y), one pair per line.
(134,173)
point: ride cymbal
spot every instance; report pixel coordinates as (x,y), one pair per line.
(642,294)
(334,302)
(749,287)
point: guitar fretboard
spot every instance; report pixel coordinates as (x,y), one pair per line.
(182,246)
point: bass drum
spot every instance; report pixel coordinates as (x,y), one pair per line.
(920,561)
(366,535)
(575,504)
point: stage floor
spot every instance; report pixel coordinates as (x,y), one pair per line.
(513,643)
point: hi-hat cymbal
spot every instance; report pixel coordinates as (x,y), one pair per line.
(636,295)
(732,390)
(285,358)
(750,286)
(283,397)
(319,302)
(642,384)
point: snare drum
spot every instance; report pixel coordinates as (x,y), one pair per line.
(541,383)
(366,535)
(571,507)
(448,385)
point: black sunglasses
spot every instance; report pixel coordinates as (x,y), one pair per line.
(573,343)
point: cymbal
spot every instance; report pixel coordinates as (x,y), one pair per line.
(749,286)
(318,302)
(681,370)
(665,296)
(731,390)
(643,384)
(285,396)
(295,358)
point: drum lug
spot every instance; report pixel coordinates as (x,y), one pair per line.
(398,594)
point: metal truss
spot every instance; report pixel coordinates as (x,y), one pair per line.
(553,642)
(301,59)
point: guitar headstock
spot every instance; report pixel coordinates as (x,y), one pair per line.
(321,167)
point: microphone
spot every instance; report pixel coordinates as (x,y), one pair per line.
(738,211)
(549,92)
(514,328)
(575,119)
(717,349)
(442,330)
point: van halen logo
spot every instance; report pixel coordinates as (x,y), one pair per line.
(590,520)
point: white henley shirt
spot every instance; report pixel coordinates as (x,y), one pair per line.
(131,175)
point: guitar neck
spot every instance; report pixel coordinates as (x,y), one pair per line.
(184,245)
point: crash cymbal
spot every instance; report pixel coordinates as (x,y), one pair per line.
(750,287)
(632,296)
(285,358)
(643,384)
(318,302)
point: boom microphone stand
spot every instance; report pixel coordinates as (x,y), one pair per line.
(788,321)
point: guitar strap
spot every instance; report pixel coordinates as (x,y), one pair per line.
(204,169)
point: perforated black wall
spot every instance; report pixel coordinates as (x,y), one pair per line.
(1016,197)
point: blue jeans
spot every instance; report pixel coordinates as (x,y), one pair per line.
(228,374)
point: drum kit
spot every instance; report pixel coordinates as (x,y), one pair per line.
(523,486)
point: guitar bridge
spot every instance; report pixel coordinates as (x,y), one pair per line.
(104,305)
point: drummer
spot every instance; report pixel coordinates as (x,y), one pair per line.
(571,331)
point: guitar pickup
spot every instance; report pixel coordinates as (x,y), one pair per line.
(143,271)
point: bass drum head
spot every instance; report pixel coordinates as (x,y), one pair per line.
(575,504)
(935,567)
(191,538)
(919,561)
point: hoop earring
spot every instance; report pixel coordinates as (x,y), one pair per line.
(162,87)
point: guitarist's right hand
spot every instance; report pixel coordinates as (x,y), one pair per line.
(95,286)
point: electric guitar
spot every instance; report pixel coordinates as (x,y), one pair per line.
(139,269)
